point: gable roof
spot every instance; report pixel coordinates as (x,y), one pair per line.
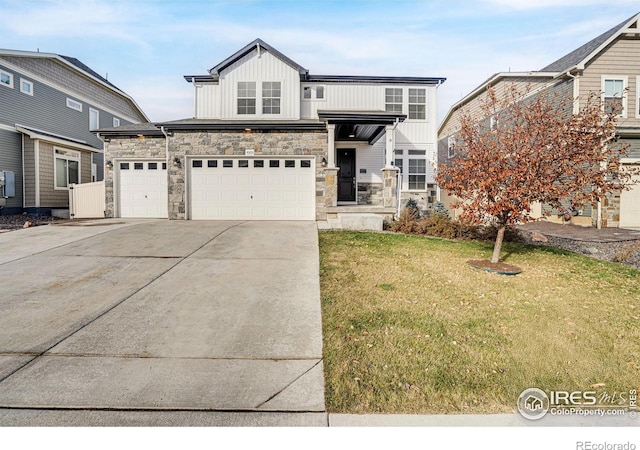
(257,44)
(583,54)
(77,66)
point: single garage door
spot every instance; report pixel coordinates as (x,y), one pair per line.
(143,189)
(630,205)
(269,188)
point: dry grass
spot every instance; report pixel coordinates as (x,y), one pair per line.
(410,328)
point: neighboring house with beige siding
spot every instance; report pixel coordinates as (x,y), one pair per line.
(609,65)
(49,106)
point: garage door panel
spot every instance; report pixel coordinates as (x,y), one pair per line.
(142,189)
(630,205)
(262,190)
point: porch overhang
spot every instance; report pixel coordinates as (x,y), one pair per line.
(363,126)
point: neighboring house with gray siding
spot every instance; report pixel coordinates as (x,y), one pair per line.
(608,65)
(49,105)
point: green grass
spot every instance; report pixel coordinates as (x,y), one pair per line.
(410,328)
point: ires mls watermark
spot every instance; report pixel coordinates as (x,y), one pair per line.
(534,403)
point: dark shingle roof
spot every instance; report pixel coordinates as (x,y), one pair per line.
(578,55)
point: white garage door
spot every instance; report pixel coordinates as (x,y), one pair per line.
(143,189)
(267,188)
(630,206)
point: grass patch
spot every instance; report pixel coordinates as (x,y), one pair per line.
(410,328)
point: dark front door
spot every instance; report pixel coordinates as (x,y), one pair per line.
(346,175)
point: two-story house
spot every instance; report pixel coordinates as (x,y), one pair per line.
(49,106)
(268,140)
(608,65)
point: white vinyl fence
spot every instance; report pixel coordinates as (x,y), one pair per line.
(86,201)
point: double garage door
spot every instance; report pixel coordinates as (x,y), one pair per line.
(252,188)
(265,188)
(630,205)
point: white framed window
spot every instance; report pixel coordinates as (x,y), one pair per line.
(417,104)
(246,97)
(451,147)
(313,93)
(74,104)
(271,94)
(26,86)
(66,168)
(6,79)
(613,93)
(413,166)
(94,119)
(116,122)
(393,100)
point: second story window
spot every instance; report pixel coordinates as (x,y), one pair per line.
(26,87)
(271,93)
(94,119)
(614,95)
(246,97)
(6,79)
(116,122)
(393,100)
(417,104)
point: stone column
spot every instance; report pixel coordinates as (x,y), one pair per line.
(331,186)
(390,145)
(390,187)
(331,145)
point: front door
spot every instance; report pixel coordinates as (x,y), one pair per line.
(346,175)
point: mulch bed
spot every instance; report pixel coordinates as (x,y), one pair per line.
(499,268)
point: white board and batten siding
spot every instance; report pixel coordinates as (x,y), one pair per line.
(259,68)
(206,105)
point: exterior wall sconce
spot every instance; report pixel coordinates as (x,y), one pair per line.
(109,164)
(177,162)
(324,162)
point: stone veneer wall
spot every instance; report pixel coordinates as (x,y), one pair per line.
(610,212)
(205,143)
(370,194)
(425,200)
(267,143)
(128,148)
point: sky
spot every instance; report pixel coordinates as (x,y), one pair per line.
(146,46)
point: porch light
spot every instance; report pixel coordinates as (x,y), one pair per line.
(109,164)
(324,162)
(352,136)
(177,162)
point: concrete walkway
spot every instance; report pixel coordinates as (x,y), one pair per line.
(133,317)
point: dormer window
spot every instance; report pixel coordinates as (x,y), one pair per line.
(247,97)
(271,93)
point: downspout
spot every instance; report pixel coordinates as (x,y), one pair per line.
(166,153)
(398,176)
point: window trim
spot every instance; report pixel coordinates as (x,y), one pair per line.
(313,90)
(407,155)
(451,147)
(97,113)
(254,98)
(625,85)
(10,75)
(401,102)
(410,104)
(265,99)
(28,83)
(74,104)
(116,122)
(67,155)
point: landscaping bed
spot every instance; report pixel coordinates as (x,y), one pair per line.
(17,221)
(409,327)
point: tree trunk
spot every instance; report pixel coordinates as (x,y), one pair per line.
(498,245)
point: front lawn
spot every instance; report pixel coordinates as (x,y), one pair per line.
(410,328)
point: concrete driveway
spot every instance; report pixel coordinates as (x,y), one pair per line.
(159,315)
